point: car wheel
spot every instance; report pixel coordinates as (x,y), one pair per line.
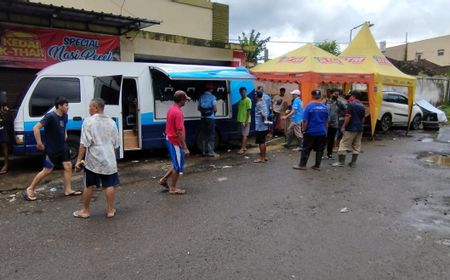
(415,124)
(386,122)
(73,143)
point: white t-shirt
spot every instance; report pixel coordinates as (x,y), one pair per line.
(277,101)
(100,137)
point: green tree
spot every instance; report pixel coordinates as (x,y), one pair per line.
(253,46)
(329,46)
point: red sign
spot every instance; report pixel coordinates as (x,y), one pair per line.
(292,59)
(38,48)
(354,59)
(328,60)
(381,60)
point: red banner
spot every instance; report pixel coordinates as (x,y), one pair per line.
(38,47)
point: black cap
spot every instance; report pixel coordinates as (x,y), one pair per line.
(316,93)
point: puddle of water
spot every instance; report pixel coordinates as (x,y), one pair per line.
(442,160)
(427,140)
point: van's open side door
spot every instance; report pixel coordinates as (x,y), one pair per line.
(109,88)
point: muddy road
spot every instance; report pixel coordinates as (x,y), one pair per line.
(388,218)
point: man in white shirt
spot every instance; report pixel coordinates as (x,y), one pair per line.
(99,139)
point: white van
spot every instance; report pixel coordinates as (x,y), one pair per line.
(137,96)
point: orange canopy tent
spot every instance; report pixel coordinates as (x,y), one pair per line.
(308,66)
(364,54)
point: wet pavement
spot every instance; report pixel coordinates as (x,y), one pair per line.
(388,218)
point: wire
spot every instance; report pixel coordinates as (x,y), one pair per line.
(121,7)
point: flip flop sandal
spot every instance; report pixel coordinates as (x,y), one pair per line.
(3,172)
(76,214)
(259,161)
(164,184)
(111,216)
(74,193)
(27,197)
(177,191)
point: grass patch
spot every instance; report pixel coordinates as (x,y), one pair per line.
(446,108)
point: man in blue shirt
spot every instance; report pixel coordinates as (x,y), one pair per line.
(315,120)
(55,148)
(207,105)
(295,126)
(352,130)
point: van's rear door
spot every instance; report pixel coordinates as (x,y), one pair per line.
(109,88)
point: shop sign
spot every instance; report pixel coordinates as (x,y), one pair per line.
(381,60)
(354,59)
(328,60)
(292,59)
(37,48)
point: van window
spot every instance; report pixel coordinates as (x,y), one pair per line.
(48,89)
(108,89)
(164,88)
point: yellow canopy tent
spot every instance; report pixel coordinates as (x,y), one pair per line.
(308,66)
(364,54)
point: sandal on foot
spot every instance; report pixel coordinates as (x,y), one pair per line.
(111,215)
(241,152)
(28,197)
(77,214)
(163,183)
(3,172)
(259,161)
(74,193)
(299,167)
(177,191)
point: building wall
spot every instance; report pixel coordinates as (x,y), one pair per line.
(191,18)
(428,49)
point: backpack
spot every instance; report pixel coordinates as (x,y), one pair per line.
(205,110)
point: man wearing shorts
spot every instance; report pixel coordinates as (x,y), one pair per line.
(176,142)
(261,126)
(244,118)
(99,139)
(55,148)
(295,126)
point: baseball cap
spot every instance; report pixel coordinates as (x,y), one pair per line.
(296,92)
(180,95)
(316,93)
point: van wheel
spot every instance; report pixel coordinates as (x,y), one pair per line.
(73,143)
(386,122)
(416,122)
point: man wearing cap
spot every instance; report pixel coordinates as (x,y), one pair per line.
(176,142)
(207,105)
(352,130)
(295,126)
(315,120)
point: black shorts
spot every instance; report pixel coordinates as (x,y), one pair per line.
(4,136)
(100,180)
(52,160)
(261,137)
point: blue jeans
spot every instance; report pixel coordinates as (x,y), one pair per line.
(208,133)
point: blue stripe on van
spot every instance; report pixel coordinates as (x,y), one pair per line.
(71,125)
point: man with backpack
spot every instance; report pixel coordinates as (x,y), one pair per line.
(207,106)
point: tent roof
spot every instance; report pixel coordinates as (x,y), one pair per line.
(308,58)
(364,53)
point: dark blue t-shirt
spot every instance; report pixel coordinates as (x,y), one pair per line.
(317,116)
(55,132)
(356,111)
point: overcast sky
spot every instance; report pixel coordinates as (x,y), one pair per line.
(319,20)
